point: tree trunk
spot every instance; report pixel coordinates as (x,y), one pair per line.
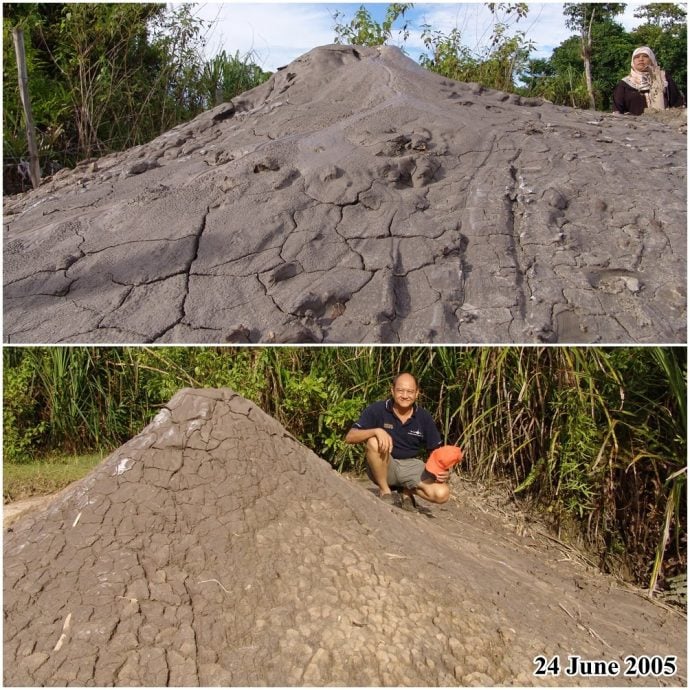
(588,80)
(35,166)
(587,58)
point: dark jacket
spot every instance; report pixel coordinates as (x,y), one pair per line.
(627,99)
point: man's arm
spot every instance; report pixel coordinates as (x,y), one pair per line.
(356,435)
(359,435)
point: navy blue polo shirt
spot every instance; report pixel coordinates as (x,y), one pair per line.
(418,432)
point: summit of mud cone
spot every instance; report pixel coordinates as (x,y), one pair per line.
(356,197)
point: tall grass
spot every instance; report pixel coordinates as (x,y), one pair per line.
(595,438)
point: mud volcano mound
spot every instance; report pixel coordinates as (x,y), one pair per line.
(214,549)
(356,197)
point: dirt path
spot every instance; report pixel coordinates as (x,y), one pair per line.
(214,549)
(11,512)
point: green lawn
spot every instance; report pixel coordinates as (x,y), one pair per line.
(45,476)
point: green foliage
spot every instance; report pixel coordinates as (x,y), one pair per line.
(225,77)
(107,76)
(22,428)
(449,56)
(49,98)
(564,79)
(577,438)
(364,30)
(665,15)
(335,420)
(613,47)
(495,66)
(581,16)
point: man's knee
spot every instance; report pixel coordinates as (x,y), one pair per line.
(373,451)
(374,456)
(373,444)
(436,493)
(443,493)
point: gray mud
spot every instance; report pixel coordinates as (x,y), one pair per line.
(356,197)
(214,549)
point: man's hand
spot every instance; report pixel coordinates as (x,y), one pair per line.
(385,441)
(443,477)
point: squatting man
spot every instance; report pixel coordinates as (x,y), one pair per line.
(395,432)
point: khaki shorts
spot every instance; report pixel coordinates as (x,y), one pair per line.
(406,474)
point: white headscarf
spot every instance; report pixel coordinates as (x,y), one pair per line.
(651,83)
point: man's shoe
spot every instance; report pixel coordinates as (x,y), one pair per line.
(408,503)
(392,499)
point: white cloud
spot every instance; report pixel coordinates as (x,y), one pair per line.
(275,33)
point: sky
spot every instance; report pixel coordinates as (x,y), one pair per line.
(278,33)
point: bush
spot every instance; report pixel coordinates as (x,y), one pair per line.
(23,432)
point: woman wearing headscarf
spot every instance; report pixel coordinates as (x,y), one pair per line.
(646,87)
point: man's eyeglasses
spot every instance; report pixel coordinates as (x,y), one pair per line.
(403,391)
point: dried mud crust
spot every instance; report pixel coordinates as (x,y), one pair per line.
(214,549)
(355,197)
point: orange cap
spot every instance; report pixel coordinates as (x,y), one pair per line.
(443,458)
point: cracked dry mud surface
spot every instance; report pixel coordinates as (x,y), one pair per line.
(214,549)
(355,197)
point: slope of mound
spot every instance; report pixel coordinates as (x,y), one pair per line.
(355,197)
(214,549)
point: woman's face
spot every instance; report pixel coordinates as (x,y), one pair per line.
(642,62)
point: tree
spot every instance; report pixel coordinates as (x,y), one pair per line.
(563,80)
(449,56)
(613,48)
(495,66)
(665,15)
(107,76)
(107,64)
(581,18)
(364,30)
(535,72)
